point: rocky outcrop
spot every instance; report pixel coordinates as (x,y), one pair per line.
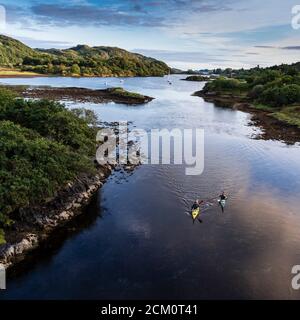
(10,253)
(34,225)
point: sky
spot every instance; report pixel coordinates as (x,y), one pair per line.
(186,34)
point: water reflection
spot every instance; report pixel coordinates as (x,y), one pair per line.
(145,245)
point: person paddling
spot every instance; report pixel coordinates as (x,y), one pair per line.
(222,200)
(196,210)
(196,204)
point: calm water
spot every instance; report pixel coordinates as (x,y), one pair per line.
(137,241)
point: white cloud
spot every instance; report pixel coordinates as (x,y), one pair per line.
(220,36)
(246,15)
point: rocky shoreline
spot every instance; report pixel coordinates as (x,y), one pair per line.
(272,128)
(225,101)
(34,225)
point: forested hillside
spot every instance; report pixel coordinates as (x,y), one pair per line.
(81,60)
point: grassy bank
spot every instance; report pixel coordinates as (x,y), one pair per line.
(43,146)
(290,115)
(275,92)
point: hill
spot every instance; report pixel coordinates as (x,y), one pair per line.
(12,52)
(81,60)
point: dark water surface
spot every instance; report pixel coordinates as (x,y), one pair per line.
(137,240)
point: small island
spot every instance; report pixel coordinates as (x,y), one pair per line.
(117,95)
(196,78)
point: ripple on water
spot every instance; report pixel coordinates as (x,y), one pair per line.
(144,245)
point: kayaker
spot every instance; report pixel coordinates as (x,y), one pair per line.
(196,210)
(196,204)
(223,196)
(222,200)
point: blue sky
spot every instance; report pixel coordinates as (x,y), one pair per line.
(183,33)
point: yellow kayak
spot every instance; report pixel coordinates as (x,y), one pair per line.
(195,213)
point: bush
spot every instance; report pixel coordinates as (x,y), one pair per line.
(6,97)
(51,120)
(223,84)
(75,69)
(32,167)
(87,115)
(265,76)
(42,147)
(256,91)
(280,96)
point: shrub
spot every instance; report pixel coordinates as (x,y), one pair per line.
(280,96)
(32,168)
(256,91)
(42,146)
(223,84)
(75,69)
(266,76)
(51,120)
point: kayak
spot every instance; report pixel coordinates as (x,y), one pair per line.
(195,213)
(222,203)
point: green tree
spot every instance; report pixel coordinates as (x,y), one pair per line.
(42,147)
(33,167)
(75,69)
